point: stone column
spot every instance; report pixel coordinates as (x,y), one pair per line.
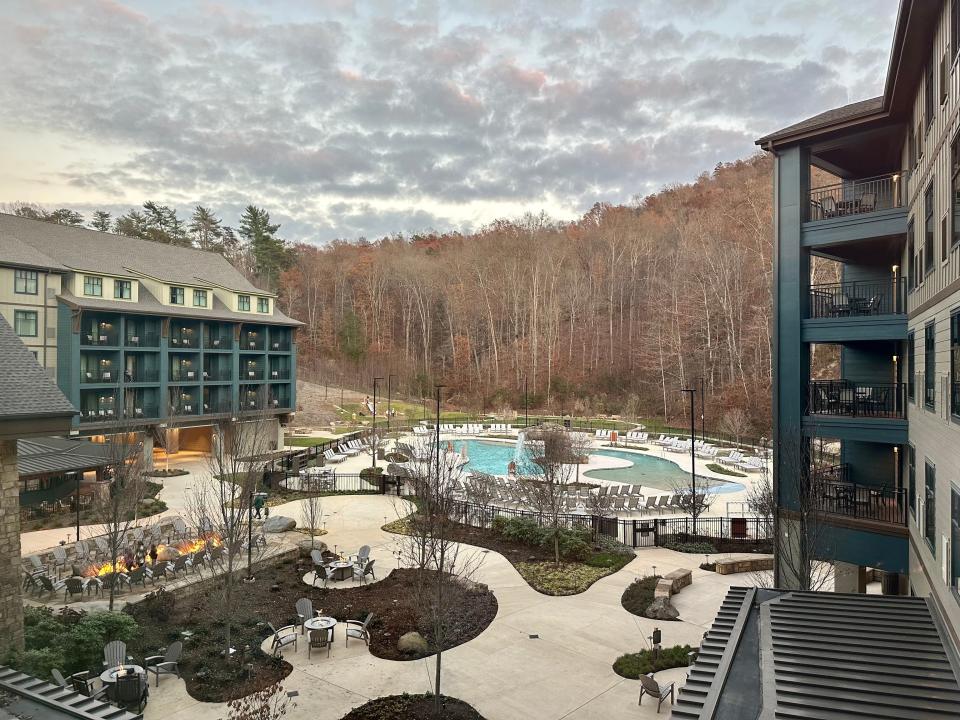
(147,439)
(849,578)
(11,602)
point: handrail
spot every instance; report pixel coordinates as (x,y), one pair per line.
(858,298)
(846,398)
(883,503)
(856,197)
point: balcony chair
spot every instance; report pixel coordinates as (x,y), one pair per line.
(319,639)
(868,202)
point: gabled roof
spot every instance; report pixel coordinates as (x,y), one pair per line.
(57,456)
(847,113)
(26,391)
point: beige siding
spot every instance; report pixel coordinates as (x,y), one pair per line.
(44,303)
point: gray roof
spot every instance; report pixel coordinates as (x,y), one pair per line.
(57,456)
(84,249)
(16,252)
(41,700)
(25,388)
(829,656)
(844,113)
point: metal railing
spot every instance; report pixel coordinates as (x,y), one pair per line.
(184,376)
(218,343)
(143,411)
(101,337)
(280,345)
(184,341)
(868,502)
(218,406)
(852,399)
(191,408)
(248,344)
(280,374)
(150,340)
(218,374)
(143,375)
(858,298)
(857,197)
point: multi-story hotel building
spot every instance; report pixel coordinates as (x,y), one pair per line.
(153,334)
(875,187)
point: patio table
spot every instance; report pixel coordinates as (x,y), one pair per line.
(109,675)
(341,570)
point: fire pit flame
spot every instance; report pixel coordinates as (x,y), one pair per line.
(164,552)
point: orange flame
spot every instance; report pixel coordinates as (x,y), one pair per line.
(166,552)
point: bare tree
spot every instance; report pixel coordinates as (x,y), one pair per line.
(269,703)
(801,542)
(116,509)
(221,501)
(735,423)
(311,514)
(481,489)
(440,561)
(549,472)
(694,495)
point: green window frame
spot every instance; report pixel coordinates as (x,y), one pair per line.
(912,479)
(122,289)
(930,366)
(25,282)
(243,302)
(911,367)
(176,295)
(263,305)
(929,229)
(954,578)
(93,286)
(955,364)
(199,298)
(930,506)
(25,323)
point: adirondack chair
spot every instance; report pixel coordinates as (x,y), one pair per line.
(649,686)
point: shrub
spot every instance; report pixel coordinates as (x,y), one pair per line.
(722,470)
(633,665)
(711,567)
(697,548)
(574,544)
(549,579)
(639,594)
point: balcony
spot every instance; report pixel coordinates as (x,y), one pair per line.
(100,338)
(185,409)
(149,340)
(878,503)
(280,345)
(214,407)
(101,415)
(142,375)
(146,411)
(844,398)
(858,298)
(99,376)
(218,342)
(184,342)
(184,375)
(279,374)
(857,197)
(217,375)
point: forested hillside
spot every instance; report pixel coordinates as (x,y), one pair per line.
(612,313)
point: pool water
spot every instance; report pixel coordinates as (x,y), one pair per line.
(654,472)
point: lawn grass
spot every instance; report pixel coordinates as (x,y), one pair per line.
(306,441)
(722,470)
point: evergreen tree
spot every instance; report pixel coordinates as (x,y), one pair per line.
(163,225)
(270,254)
(133,224)
(65,216)
(101,221)
(206,229)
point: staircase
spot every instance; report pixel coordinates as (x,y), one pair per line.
(64,700)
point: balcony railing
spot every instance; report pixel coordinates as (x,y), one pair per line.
(143,411)
(184,341)
(851,399)
(857,197)
(98,415)
(279,374)
(144,340)
(277,402)
(868,502)
(184,375)
(218,343)
(218,375)
(100,337)
(251,374)
(858,298)
(187,408)
(280,345)
(251,344)
(99,376)
(140,375)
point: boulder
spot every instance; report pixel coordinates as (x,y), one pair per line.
(304,547)
(661,609)
(413,643)
(278,524)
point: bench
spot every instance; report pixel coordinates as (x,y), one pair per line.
(673,582)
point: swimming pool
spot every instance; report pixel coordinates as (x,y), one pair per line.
(494,458)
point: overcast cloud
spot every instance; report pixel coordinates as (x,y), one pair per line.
(347,118)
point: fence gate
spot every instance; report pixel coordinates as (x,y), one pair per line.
(644,533)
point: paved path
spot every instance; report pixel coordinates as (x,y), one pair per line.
(564,673)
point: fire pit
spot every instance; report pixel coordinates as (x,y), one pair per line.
(164,552)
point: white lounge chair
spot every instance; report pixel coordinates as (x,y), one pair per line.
(732,459)
(751,464)
(333,457)
(707,452)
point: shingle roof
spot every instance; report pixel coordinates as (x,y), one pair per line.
(84,249)
(844,113)
(25,388)
(42,456)
(16,252)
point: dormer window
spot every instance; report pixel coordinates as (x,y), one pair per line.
(93,286)
(122,289)
(199,298)
(263,305)
(243,303)
(176,296)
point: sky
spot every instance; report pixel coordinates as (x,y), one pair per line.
(362,118)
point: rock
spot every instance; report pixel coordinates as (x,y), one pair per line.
(278,524)
(661,609)
(304,547)
(413,643)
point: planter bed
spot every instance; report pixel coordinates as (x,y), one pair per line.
(412,707)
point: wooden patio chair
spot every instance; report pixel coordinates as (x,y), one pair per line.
(649,686)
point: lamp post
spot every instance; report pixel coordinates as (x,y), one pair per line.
(250,538)
(526,409)
(76,504)
(438,388)
(693,460)
(703,412)
(390,378)
(375,443)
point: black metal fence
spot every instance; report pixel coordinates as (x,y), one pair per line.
(867,502)
(856,197)
(858,298)
(855,399)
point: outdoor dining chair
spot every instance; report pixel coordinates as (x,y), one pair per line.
(304,612)
(320,573)
(360,572)
(649,686)
(166,664)
(129,691)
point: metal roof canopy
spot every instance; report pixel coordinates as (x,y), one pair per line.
(58,456)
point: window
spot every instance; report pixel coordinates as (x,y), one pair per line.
(954,578)
(121,289)
(911,367)
(176,296)
(263,305)
(930,507)
(25,323)
(25,282)
(912,479)
(928,229)
(929,96)
(944,74)
(243,302)
(919,142)
(911,150)
(911,257)
(954,28)
(92,286)
(955,187)
(944,243)
(929,365)
(199,298)
(955,364)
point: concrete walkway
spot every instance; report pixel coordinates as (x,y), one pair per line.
(565,672)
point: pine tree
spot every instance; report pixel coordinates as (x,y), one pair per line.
(65,216)
(101,221)
(133,224)
(206,229)
(163,225)
(270,254)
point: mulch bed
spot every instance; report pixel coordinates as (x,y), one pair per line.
(271,598)
(412,707)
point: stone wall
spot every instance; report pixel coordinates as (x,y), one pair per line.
(11,602)
(729,567)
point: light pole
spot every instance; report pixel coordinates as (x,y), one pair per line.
(703,412)
(526,410)
(693,460)
(390,378)
(438,388)
(375,443)
(250,538)
(76,504)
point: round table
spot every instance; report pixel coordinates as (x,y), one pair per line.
(341,570)
(110,675)
(320,623)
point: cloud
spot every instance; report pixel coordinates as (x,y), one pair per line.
(357,119)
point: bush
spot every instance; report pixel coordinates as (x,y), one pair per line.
(696,548)
(639,594)
(549,579)
(723,470)
(633,665)
(574,544)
